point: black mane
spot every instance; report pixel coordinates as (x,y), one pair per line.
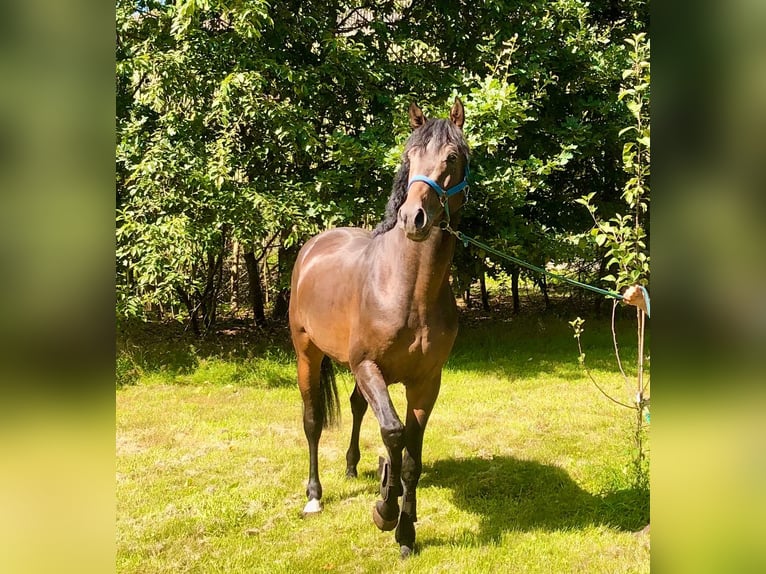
(444,131)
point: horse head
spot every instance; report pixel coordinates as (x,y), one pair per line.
(436,154)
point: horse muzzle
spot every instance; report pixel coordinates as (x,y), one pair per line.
(415,222)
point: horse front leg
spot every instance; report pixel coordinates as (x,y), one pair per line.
(420,403)
(373,387)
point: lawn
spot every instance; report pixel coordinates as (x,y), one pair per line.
(525,462)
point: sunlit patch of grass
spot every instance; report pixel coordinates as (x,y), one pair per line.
(258,372)
(523,468)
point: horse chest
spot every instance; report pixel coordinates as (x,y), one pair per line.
(415,350)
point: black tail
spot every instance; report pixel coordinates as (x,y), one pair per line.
(329,407)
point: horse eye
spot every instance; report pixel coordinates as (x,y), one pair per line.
(452,158)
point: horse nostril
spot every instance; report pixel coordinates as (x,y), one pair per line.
(420,219)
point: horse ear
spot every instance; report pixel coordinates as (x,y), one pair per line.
(457,113)
(417,118)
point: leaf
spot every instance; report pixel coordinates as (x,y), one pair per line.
(623,131)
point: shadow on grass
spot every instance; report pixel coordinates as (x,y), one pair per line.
(509,494)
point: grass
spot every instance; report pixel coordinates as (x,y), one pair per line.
(524,461)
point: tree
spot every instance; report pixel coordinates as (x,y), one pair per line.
(264,123)
(624,236)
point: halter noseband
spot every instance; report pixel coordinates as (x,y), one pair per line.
(443,194)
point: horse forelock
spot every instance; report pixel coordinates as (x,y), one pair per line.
(443,132)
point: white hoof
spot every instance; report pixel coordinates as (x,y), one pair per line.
(312,507)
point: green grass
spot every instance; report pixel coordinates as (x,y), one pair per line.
(524,461)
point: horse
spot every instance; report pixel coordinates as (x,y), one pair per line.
(380,303)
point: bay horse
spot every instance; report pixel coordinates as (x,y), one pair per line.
(380,303)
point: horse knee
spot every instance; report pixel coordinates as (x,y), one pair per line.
(393,436)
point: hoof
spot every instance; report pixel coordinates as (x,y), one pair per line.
(351,473)
(406,551)
(312,507)
(382,523)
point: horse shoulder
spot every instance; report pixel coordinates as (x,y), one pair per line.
(323,288)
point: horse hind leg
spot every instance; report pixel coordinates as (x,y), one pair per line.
(308,382)
(317,386)
(358,409)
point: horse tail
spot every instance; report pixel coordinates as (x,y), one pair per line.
(329,406)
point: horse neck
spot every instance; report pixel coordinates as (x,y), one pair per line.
(422,267)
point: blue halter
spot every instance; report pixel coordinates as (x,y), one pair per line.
(438,188)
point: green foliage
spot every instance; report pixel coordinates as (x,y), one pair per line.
(547,127)
(624,235)
(264,123)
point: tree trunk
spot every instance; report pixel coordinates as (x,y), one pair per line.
(184,296)
(209,297)
(206,302)
(515,272)
(544,289)
(484,294)
(285,260)
(234,277)
(255,287)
